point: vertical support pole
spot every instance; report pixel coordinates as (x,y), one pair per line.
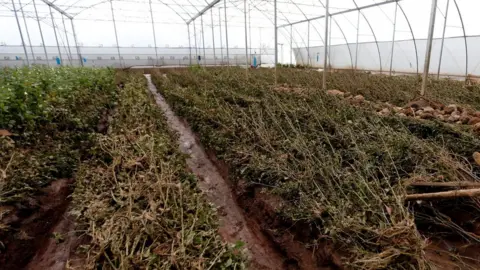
(68,42)
(276,37)
(291,44)
(56,38)
(443,40)
(21,34)
(221,41)
(246,35)
(393,38)
(26,30)
(356,45)
(155,36)
(428,50)
(226,30)
(195,37)
(329,38)
(76,43)
(213,38)
(250,30)
(115,29)
(189,44)
(325,48)
(203,42)
(308,43)
(41,33)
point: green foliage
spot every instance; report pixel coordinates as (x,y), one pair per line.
(52,113)
(340,168)
(33,97)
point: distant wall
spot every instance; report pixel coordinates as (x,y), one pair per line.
(404,56)
(14,56)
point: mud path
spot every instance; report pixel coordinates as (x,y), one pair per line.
(233,223)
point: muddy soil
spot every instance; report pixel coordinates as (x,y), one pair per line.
(249,221)
(40,235)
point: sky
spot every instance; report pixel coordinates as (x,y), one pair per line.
(94,27)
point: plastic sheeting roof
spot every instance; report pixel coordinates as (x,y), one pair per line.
(93,21)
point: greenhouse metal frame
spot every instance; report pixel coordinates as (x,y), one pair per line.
(192,12)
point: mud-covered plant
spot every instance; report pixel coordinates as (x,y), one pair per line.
(136,201)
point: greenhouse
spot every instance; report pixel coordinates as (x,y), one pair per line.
(226,134)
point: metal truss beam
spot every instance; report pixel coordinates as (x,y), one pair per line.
(200,13)
(57,9)
(341,12)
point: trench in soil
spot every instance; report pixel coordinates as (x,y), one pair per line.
(246,215)
(41,235)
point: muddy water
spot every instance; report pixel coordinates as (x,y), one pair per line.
(233,224)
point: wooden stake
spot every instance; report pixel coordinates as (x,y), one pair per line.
(444,194)
(445,184)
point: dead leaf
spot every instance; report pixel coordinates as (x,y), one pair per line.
(476,157)
(389,210)
(4,132)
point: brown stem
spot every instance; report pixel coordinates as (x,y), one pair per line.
(444,194)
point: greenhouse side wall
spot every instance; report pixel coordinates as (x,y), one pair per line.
(405,58)
(14,56)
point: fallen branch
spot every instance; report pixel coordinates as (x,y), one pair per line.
(444,194)
(445,184)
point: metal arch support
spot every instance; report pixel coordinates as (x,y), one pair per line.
(464,37)
(373,33)
(76,43)
(411,31)
(213,38)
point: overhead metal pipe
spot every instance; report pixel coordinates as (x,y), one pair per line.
(56,37)
(325,49)
(428,50)
(21,34)
(443,40)
(41,33)
(200,13)
(341,12)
